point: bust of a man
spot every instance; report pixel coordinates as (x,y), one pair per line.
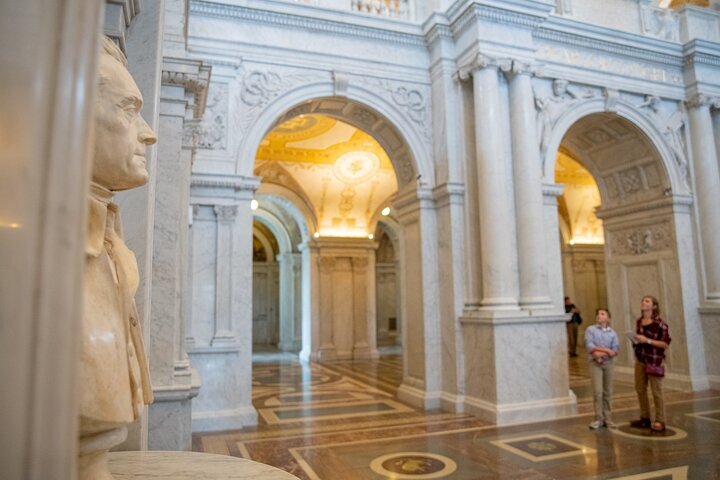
(115,382)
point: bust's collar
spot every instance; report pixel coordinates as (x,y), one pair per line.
(99,200)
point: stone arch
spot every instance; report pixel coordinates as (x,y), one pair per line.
(645,211)
(276,227)
(630,114)
(408,151)
(293,204)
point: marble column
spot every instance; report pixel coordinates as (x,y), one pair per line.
(707,190)
(182,100)
(499,259)
(225,219)
(48,89)
(326,267)
(365,321)
(420,297)
(527,177)
(289,264)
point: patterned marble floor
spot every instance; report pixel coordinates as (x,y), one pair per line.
(341,421)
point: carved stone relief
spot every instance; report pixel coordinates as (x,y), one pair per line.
(564,96)
(641,240)
(673,129)
(259,87)
(214,124)
(412,99)
(660,22)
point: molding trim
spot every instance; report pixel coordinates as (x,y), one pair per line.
(212,9)
(234,182)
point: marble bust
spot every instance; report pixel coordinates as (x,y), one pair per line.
(115,382)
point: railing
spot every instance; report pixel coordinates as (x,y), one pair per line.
(384,8)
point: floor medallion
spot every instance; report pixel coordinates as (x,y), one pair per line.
(416,465)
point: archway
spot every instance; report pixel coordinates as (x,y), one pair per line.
(323,337)
(636,175)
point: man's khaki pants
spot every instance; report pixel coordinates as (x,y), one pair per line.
(602,382)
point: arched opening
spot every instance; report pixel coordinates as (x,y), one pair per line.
(617,234)
(387,278)
(338,178)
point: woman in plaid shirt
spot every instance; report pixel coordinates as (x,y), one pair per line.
(653,337)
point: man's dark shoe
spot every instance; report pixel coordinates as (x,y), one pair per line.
(642,423)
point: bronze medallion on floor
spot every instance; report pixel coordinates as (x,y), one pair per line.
(415,465)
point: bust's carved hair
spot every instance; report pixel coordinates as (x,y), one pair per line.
(109,48)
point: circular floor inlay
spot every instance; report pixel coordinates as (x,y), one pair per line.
(416,465)
(670,433)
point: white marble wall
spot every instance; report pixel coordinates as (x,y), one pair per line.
(221,288)
(478,76)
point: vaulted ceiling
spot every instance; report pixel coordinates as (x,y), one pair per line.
(340,172)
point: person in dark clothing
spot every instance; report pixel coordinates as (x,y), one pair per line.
(573,322)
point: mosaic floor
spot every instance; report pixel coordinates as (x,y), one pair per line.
(341,421)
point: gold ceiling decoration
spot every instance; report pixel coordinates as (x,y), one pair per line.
(341,172)
(697,3)
(569,171)
(279,143)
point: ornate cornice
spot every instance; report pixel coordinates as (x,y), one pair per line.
(528,18)
(192,75)
(212,9)
(599,45)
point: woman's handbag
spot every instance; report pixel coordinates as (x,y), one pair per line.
(655,370)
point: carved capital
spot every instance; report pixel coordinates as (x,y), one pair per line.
(326,264)
(699,100)
(360,264)
(482,61)
(225,213)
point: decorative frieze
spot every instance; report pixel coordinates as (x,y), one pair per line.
(613,62)
(641,240)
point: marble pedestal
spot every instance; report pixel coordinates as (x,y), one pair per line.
(516,367)
(189,466)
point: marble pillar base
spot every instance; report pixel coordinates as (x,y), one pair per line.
(524,412)
(417,397)
(516,366)
(225,401)
(169,417)
(189,466)
(224,419)
(451,402)
(710,320)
